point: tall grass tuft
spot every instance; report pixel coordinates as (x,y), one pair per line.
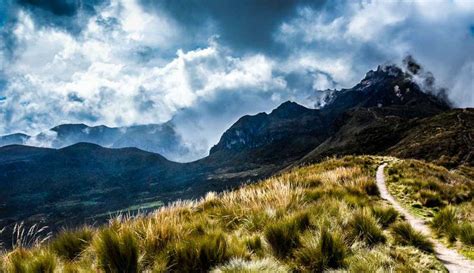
(198,255)
(43,263)
(404,234)
(70,244)
(117,251)
(24,237)
(384,215)
(266,265)
(328,251)
(283,236)
(444,222)
(364,226)
(466,233)
(254,244)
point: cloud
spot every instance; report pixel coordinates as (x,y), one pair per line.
(202,65)
(348,40)
(245,25)
(100,77)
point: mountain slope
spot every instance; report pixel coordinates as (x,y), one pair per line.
(445,139)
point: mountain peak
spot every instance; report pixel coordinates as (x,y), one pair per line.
(289,109)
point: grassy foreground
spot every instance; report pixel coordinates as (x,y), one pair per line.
(445,199)
(321,217)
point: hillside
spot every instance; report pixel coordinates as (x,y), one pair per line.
(324,216)
(445,138)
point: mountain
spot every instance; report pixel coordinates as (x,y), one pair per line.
(156,138)
(446,139)
(17,138)
(386,113)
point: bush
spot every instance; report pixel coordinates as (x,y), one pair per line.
(466,233)
(283,236)
(404,234)
(328,252)
(364,226)
(70,244)
(117,252)
(198,255)
(385,215)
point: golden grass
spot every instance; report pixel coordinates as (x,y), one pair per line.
(310,209)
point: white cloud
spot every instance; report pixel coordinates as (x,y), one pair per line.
(95,78)
(119,69)
(360,35)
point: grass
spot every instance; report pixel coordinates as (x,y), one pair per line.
(404,234)
(364,226)
(69,245)
(385,215)
(283,236)
(443,198)
(325,216)
(326,251)
(199,254)
(117,251)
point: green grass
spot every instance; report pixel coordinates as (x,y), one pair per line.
(70,244)
(283,236)
(404,234)
(443,198)
(325,216)
(198,255)
(364,226)
(385,215)
(117,251)
(327,251)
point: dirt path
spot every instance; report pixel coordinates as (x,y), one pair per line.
(453,261)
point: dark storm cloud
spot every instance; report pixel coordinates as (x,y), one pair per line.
(245,24)
(67,14)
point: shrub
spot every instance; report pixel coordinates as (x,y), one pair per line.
(70,244)
(466,233)
(283,236)
(385,215)
(364,226)
(404,234)
(198,255)
(117,252)
(328,251)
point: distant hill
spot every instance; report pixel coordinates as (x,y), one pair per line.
(156,138)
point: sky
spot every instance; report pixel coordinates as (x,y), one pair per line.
(204,63)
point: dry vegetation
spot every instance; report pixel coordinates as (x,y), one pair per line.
(443,198)
(326,216)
